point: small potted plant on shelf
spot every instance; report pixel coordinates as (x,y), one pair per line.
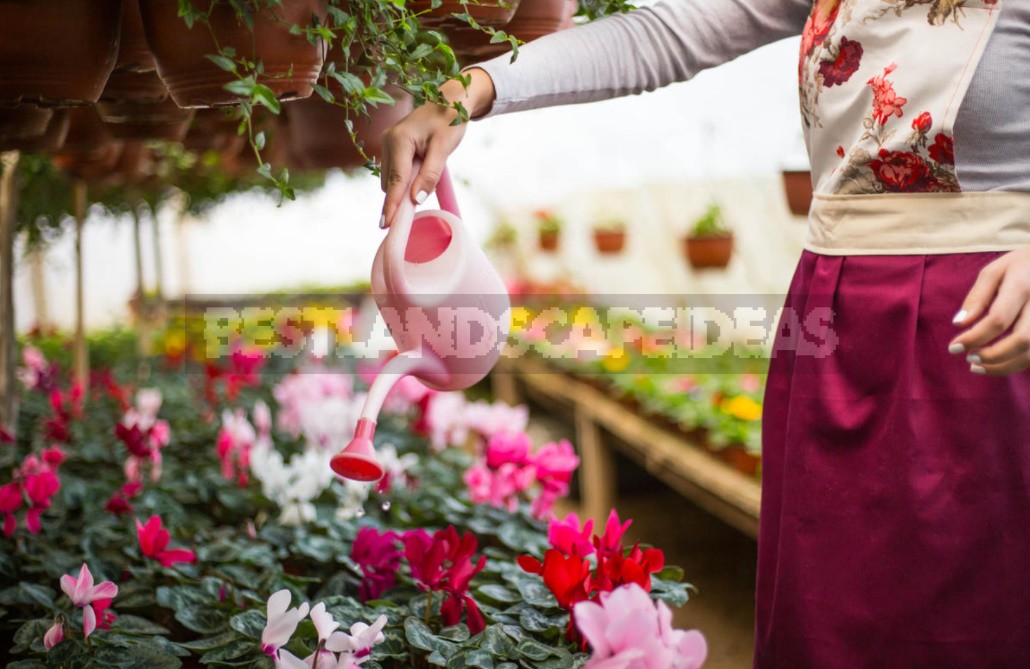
(610,237)
(503,238)
(709,242)
(797,184)
(549,229)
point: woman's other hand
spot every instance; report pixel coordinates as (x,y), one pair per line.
(998,304)
(428,133)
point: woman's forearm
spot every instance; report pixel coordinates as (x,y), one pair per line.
(639,51)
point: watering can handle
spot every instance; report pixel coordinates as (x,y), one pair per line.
(398,234)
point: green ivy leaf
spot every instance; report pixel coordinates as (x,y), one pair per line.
(221,61)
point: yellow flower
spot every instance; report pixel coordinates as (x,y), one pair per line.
(742,407)
(521,317)
(615,360)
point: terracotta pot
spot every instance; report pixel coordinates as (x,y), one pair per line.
(51,140)
(59,51)
(549,240)
(744,462)
(24,121)
(609,242)
(136,105)
(319,134)
(213,130)
(291,63)
(133,53)
(487,13)
(798,186)
(532,19)
(705,252)
(89,151)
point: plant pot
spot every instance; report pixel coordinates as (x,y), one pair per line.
(133,53)
(489,13)
(23,121)
(319,136)
(798,186)
(706,252)
(51,140)
(136,105)
(291,63)
(532,19)
(743,461)
(548,240)
(609,242)
(89,151)
(213,130)
(57,52)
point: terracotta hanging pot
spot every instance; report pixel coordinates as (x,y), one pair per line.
(214,130)
(708,252)
(23,121)
(51,140)
(532,19)
(89,151)
(319,136)
(57,52)
(291,63)
(609,242)
(133,53)
(163,120)
(798,186)
(488,12)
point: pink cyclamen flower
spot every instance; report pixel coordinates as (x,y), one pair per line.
(508,447)
(153,542)
(378,557)
(626,629)
(234,443)
(87,596)
(357,645)
(11,498)
(54,635)
(569,538)
(281,623)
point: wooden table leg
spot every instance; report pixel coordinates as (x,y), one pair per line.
(596,470)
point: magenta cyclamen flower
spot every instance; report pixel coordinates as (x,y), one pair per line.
(378,557)
(627,629)
(87,596)
(508,447)
(569,538)
(153,543)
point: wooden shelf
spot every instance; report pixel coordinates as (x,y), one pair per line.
(667,455)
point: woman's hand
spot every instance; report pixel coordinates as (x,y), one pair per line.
(997,302)
(428,133)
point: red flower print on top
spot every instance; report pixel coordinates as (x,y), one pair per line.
(922,123)
(824,13)
(838,71)
(943,149)
(902,172)
(886,103)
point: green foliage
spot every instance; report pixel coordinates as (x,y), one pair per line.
(710,224)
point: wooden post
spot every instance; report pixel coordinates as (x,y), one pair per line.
(143,346)
(597,468)
(8,223)
(159,284)
(81,350)
(37,279)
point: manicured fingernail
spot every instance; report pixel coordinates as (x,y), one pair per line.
(977,369)
(956,348)
(421,196)
(960,316)
(382,222)
(974,359)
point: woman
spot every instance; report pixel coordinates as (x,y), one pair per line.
(895,523)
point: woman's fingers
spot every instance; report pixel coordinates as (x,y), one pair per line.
(980,295)
(398,155)
(1009,354)
(1004,309)
(433,163)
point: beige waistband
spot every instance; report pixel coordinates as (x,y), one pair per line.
(918,223)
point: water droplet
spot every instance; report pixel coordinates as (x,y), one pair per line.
(360,512)
(386,506)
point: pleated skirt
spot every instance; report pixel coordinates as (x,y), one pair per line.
(895,522)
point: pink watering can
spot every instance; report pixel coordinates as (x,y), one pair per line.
(446,307)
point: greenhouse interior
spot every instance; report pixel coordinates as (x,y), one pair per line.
(269,398)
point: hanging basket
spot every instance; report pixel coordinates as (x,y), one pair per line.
(133,53)
(136,105)
(532,19)
(23,121)
(488,12)
(609,242)
(57,52)
(798,186)
(291,63)
(319,136)
(708,252)
(51,140)
(89,151)
(213,130)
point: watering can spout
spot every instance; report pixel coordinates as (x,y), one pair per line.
(358,460)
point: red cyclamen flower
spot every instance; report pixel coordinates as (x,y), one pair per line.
(378,557)
(443,562)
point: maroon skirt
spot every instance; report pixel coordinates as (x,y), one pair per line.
(895,528)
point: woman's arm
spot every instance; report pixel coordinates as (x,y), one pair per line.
(618,55)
